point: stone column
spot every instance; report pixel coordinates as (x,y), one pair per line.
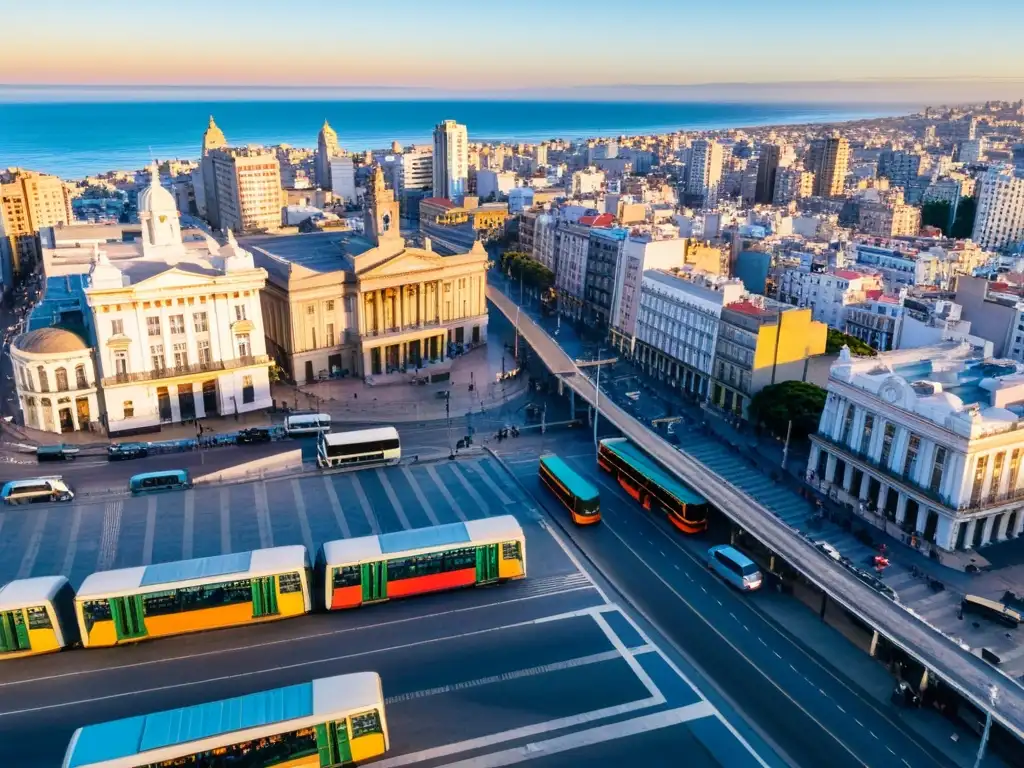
(378,304)
(922,519)
(969,536)
(986,534)
(1019,524)
(1004,521)
(419,303)
(830,468)
(440,300)
(401,307)
(901,509)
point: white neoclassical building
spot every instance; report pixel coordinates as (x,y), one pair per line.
(177,319)
(56,380)
(930,440)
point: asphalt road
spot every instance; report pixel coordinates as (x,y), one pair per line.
(544,666)
(812,714)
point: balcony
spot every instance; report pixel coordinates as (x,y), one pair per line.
(178,371)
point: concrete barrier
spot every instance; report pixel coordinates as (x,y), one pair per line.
(253,469)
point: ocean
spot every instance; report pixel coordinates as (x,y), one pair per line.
(76,139)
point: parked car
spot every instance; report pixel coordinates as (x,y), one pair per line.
(253,435)
(123,451)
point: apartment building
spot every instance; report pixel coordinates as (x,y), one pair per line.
(999,221)
(246,189)
(29,201)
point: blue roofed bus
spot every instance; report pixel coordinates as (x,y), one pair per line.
(36,616)
(327,722)
(370,569)
(579,497)
(654,488)
(131,604)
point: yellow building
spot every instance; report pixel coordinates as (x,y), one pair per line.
(761,342)
(29,201)
(340,303)
(705,257)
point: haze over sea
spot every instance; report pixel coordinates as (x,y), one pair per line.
(75,139)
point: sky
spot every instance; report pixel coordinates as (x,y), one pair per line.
(528,47)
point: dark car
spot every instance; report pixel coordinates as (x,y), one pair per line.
(56,453)
(253,435)
(123,451)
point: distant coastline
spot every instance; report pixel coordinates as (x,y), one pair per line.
(74,139)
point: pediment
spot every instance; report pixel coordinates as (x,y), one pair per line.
(403,264)
(173,278)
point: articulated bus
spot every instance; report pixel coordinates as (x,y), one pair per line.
(579,497)
(132,604)
(328,722)
(370,569)
(36,616)
(379,447)
(649,484)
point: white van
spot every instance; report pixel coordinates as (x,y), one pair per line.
(304,424)
(37,490)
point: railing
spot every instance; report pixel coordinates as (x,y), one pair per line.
(395,331)
(172,372)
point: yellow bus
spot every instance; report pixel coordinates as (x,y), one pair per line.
(36,616)
(132,604)
(370,569)
(327,722)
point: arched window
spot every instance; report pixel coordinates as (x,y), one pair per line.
(44,384)
(62,379)
(26,377)
(80,380)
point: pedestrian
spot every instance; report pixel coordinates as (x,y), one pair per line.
(355,395)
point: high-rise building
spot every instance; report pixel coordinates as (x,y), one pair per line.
(213,138)
(767,170)
(29,201)
(704,172)
(792,184)
(999,221)
(247,193)
(202,179)
(326,149)
(343,177)
(451,160)
(831,156)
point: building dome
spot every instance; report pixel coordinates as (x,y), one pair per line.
(49,341)
(154,198)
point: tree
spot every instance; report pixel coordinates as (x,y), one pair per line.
(937,214)
(963,224)
(533,273)
(797,401)
(836,340)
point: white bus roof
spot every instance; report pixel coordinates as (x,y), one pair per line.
(188,573)
(307,418)
(28,593)
(367,549)
(361,436)
(163,735)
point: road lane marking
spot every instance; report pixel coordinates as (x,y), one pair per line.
(890,749)
(188,532)
(300,512)
(339,515)
(491,485)
(543,669)
(225,521)
(858,722)
(271,643)
(28,559)
(365,504)
(840,708)
(574,560)
(110,535)
(590,737)
(872,734)
(762,642)
(393,498)
(573,721)
(263,515)
(477,498)
(429,510)
(661,553)
(447,496)
(634,665)
(147,540)
(282,667)
(72,549)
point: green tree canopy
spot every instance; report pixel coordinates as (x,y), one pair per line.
(937,214)
(797,401)
(836,340)
(534,274)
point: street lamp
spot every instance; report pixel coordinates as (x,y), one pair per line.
(597,388)
(993,699)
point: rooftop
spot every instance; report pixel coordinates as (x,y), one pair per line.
(318,252)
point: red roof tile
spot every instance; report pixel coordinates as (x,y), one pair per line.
(746,308)
(444,202)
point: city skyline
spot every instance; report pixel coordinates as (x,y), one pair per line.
(229,49)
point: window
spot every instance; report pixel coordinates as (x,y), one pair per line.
(44,383)
(195,598)
(117,327)
(310,310)
(129,409)
(38,618)
(844,436)
(289,582)
(156,356)
(865,440)
(201,322)
(887,437)
(61,375)
(177,324)
(997,473)
(80,380)
(180,355)
(346,576)
(1014,469)
(329,305)
(979,478)
(248,392)
(938,466)
(120,363)
(204,351)
(239,311)
(433,563)
(153,326)
(244,348)
(330,335)
(910,462)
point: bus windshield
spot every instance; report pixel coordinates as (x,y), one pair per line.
(576,494)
